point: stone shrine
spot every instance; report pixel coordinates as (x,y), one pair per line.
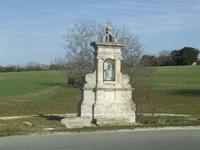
(107,95)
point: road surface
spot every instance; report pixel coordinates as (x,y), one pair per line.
(120,140)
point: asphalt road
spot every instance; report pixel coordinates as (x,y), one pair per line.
(128,140)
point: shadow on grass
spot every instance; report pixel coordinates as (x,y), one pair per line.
(50,117)
(185,92)
(61,84)
(50,84)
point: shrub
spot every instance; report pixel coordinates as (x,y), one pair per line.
(20,69)
(75,80)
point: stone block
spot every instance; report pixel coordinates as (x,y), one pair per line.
(84,110)
(115,121)
(99,109)
(113,108)
(109,116)
(119,115)
(89,96)
(77,122)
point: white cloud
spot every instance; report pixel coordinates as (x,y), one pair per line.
(156,16)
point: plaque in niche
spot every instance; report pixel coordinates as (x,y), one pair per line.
(109,96)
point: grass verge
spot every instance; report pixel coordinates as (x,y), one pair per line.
(43,125)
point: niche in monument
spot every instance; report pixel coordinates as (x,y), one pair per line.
(109,70)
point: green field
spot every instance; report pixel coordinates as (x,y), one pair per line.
(37,92)
(23,83)
(176,77)
(177,91)
(178,88)
(41,92)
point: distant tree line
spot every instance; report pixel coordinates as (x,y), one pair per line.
(57,64)
(184,56)
(32,66)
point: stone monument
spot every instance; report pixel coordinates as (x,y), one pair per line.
(107,95)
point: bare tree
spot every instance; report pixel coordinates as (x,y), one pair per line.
(165,58)
(33,66)
(59,63)
(145,98)
(80,53)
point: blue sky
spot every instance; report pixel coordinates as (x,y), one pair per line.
(31,30)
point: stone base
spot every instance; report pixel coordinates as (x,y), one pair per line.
(104,121)
(85,110)
(80,122)
(77,122)
(120,112)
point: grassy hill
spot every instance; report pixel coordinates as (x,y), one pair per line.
(23,83)
(176,77)
(45,92)
(36,92)
(178,88)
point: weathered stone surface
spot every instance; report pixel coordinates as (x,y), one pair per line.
(77,122)
(115,121)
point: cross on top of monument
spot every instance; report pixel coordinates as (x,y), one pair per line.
(109,28)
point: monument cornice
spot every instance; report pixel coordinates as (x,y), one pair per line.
(103,57)
(114,89)
(107,44)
